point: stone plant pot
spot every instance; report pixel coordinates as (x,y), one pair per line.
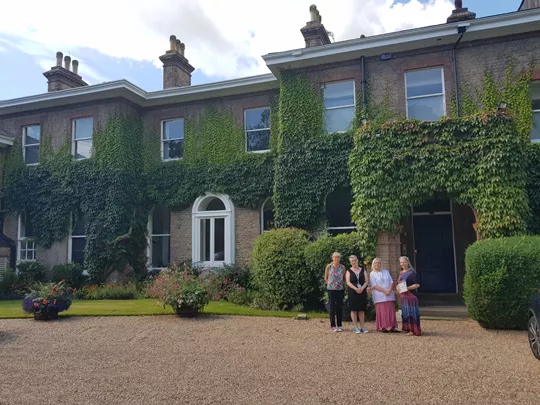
(46,315)
(185,311)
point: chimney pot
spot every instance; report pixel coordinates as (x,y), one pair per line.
(314,32)
(460,13)
(75,66)
(59,56)
(458,4)
(67,62)
(172,42)
(177,45)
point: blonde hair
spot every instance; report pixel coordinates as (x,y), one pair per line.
(409,265)
(336,254)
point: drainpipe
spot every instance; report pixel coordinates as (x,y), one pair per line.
(461,30)
(364,81)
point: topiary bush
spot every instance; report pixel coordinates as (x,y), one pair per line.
(278,267)
(31,272)
(501,277)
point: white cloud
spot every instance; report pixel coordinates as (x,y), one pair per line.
(223,38)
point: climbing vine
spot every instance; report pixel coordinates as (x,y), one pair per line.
(514,89)
(310,163)
(477,160)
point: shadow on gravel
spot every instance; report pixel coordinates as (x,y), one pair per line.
(6,337)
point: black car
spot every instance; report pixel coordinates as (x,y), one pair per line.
(534,325)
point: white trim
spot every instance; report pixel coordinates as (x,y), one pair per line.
(74,141)
(23,239)
(256,130)
(70,243)
(399,41)
(150,228)
(25,145)
(228,215)
(341,106)
(438,213)
(162,141)
(443,94)
(127,90)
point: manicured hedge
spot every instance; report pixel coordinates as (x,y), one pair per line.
(501,277)
(278,268)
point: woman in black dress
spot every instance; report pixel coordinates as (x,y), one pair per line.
(357,281)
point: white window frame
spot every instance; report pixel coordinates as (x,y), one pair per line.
(443,94)
(74,141)
(23,240)
(149,240)
(323,87)
(70,245)
(25,145)
(262,214)
(228,215)
(255,130)
(162,140)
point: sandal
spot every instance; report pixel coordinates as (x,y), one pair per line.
(395,331)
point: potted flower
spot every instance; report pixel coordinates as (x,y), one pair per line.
(47,300)
(181,289)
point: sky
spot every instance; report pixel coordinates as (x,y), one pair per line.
(123,39)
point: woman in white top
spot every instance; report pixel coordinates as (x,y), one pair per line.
(384,298)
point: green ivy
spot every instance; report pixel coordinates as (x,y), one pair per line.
(310,163)
(478,161)
(515,91)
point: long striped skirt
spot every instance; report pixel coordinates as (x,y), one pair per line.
(410,314)
(385,315)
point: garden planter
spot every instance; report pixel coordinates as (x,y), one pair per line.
(186,312)
(46,315)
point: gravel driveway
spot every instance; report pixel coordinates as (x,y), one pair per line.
(244,360)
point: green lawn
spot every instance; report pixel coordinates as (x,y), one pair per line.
(13,309)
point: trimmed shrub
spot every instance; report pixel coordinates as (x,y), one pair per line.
(279,271)
(10,287)
(501,277)
(319,253)
(31,272)
(72,273)
(110,292)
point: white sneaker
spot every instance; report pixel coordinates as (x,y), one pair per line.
(339,329)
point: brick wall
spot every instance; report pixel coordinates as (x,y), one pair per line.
(181,235)
(248,228)
(389,251)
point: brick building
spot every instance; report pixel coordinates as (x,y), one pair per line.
(423,68)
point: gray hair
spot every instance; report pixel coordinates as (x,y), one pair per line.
(409,265)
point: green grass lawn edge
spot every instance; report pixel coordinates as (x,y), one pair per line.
(12,309)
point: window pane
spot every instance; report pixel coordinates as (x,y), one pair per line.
(339,94)
(424,82)
(173,149)
(219,239)
(77,250)
(27,230)
(32,135)
(339,119)
(161,221)
(338,208)
(173,129)
(536,128)
(215,204)
(268,215)
(161,251)
(83,128)
(31,154)
(426,109)
(258,118)
(258,140)
(78,229)
(205,239)
(83,149)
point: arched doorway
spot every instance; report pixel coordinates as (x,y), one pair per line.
(213,230)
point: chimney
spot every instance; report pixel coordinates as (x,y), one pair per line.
(314,32)
(62,78)
(176,68)
(528,4)
(460,13)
